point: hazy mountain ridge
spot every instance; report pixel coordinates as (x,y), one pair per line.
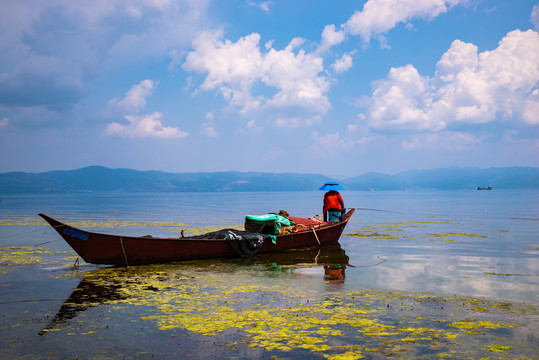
(101,179)
(451,178)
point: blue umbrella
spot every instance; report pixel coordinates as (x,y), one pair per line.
(332,185)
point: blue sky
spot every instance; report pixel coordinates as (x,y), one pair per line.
(340,88)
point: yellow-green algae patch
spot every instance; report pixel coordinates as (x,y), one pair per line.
(498,348)
(281,316)
(451,234)
(479,324)
(84,224)
(501,274)
(16,221)
(197,230)
(169,226)
(394,230)
(29,255)
(415,230)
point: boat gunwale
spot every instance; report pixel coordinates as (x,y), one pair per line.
(308,228)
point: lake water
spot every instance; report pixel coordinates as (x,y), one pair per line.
(463,266)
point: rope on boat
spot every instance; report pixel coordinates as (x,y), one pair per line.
(379,257)
(32,231)
(316,257)
(316,236)
(125,256)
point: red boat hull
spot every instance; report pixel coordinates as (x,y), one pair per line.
(98,248)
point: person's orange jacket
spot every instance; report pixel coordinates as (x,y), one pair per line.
(333,200)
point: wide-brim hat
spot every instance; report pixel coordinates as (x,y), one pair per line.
(332,185)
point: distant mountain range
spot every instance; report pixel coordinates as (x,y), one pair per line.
(101,179)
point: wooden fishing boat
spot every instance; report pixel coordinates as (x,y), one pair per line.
(99,248)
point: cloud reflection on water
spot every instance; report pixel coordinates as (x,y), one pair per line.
(447,256)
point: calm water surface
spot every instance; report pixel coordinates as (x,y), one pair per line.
(436,245)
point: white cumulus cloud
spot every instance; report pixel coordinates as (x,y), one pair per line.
(534,18)
(531,108)
(297,122)
(467,88)
(330,37)
(209,130)
(232,68)
(145,126)
(399,99)
(291,77)
(58,46)
(139,126)
(135,98)
(343,64)
(263,5)
(379,16)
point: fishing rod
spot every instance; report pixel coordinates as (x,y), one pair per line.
(29,232)
(369,209)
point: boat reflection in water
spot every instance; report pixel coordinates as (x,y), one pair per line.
(87,294)
(111,285)
(330,257)
(334,273)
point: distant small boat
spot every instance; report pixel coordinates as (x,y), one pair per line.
(484,188)
(106,249)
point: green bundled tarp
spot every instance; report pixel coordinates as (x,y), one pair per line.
(266,224)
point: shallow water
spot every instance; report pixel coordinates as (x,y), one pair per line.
(448,274)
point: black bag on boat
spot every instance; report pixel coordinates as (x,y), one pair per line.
(243,242)
(246,244)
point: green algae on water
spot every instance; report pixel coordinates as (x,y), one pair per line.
(29,255)
(282,317)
